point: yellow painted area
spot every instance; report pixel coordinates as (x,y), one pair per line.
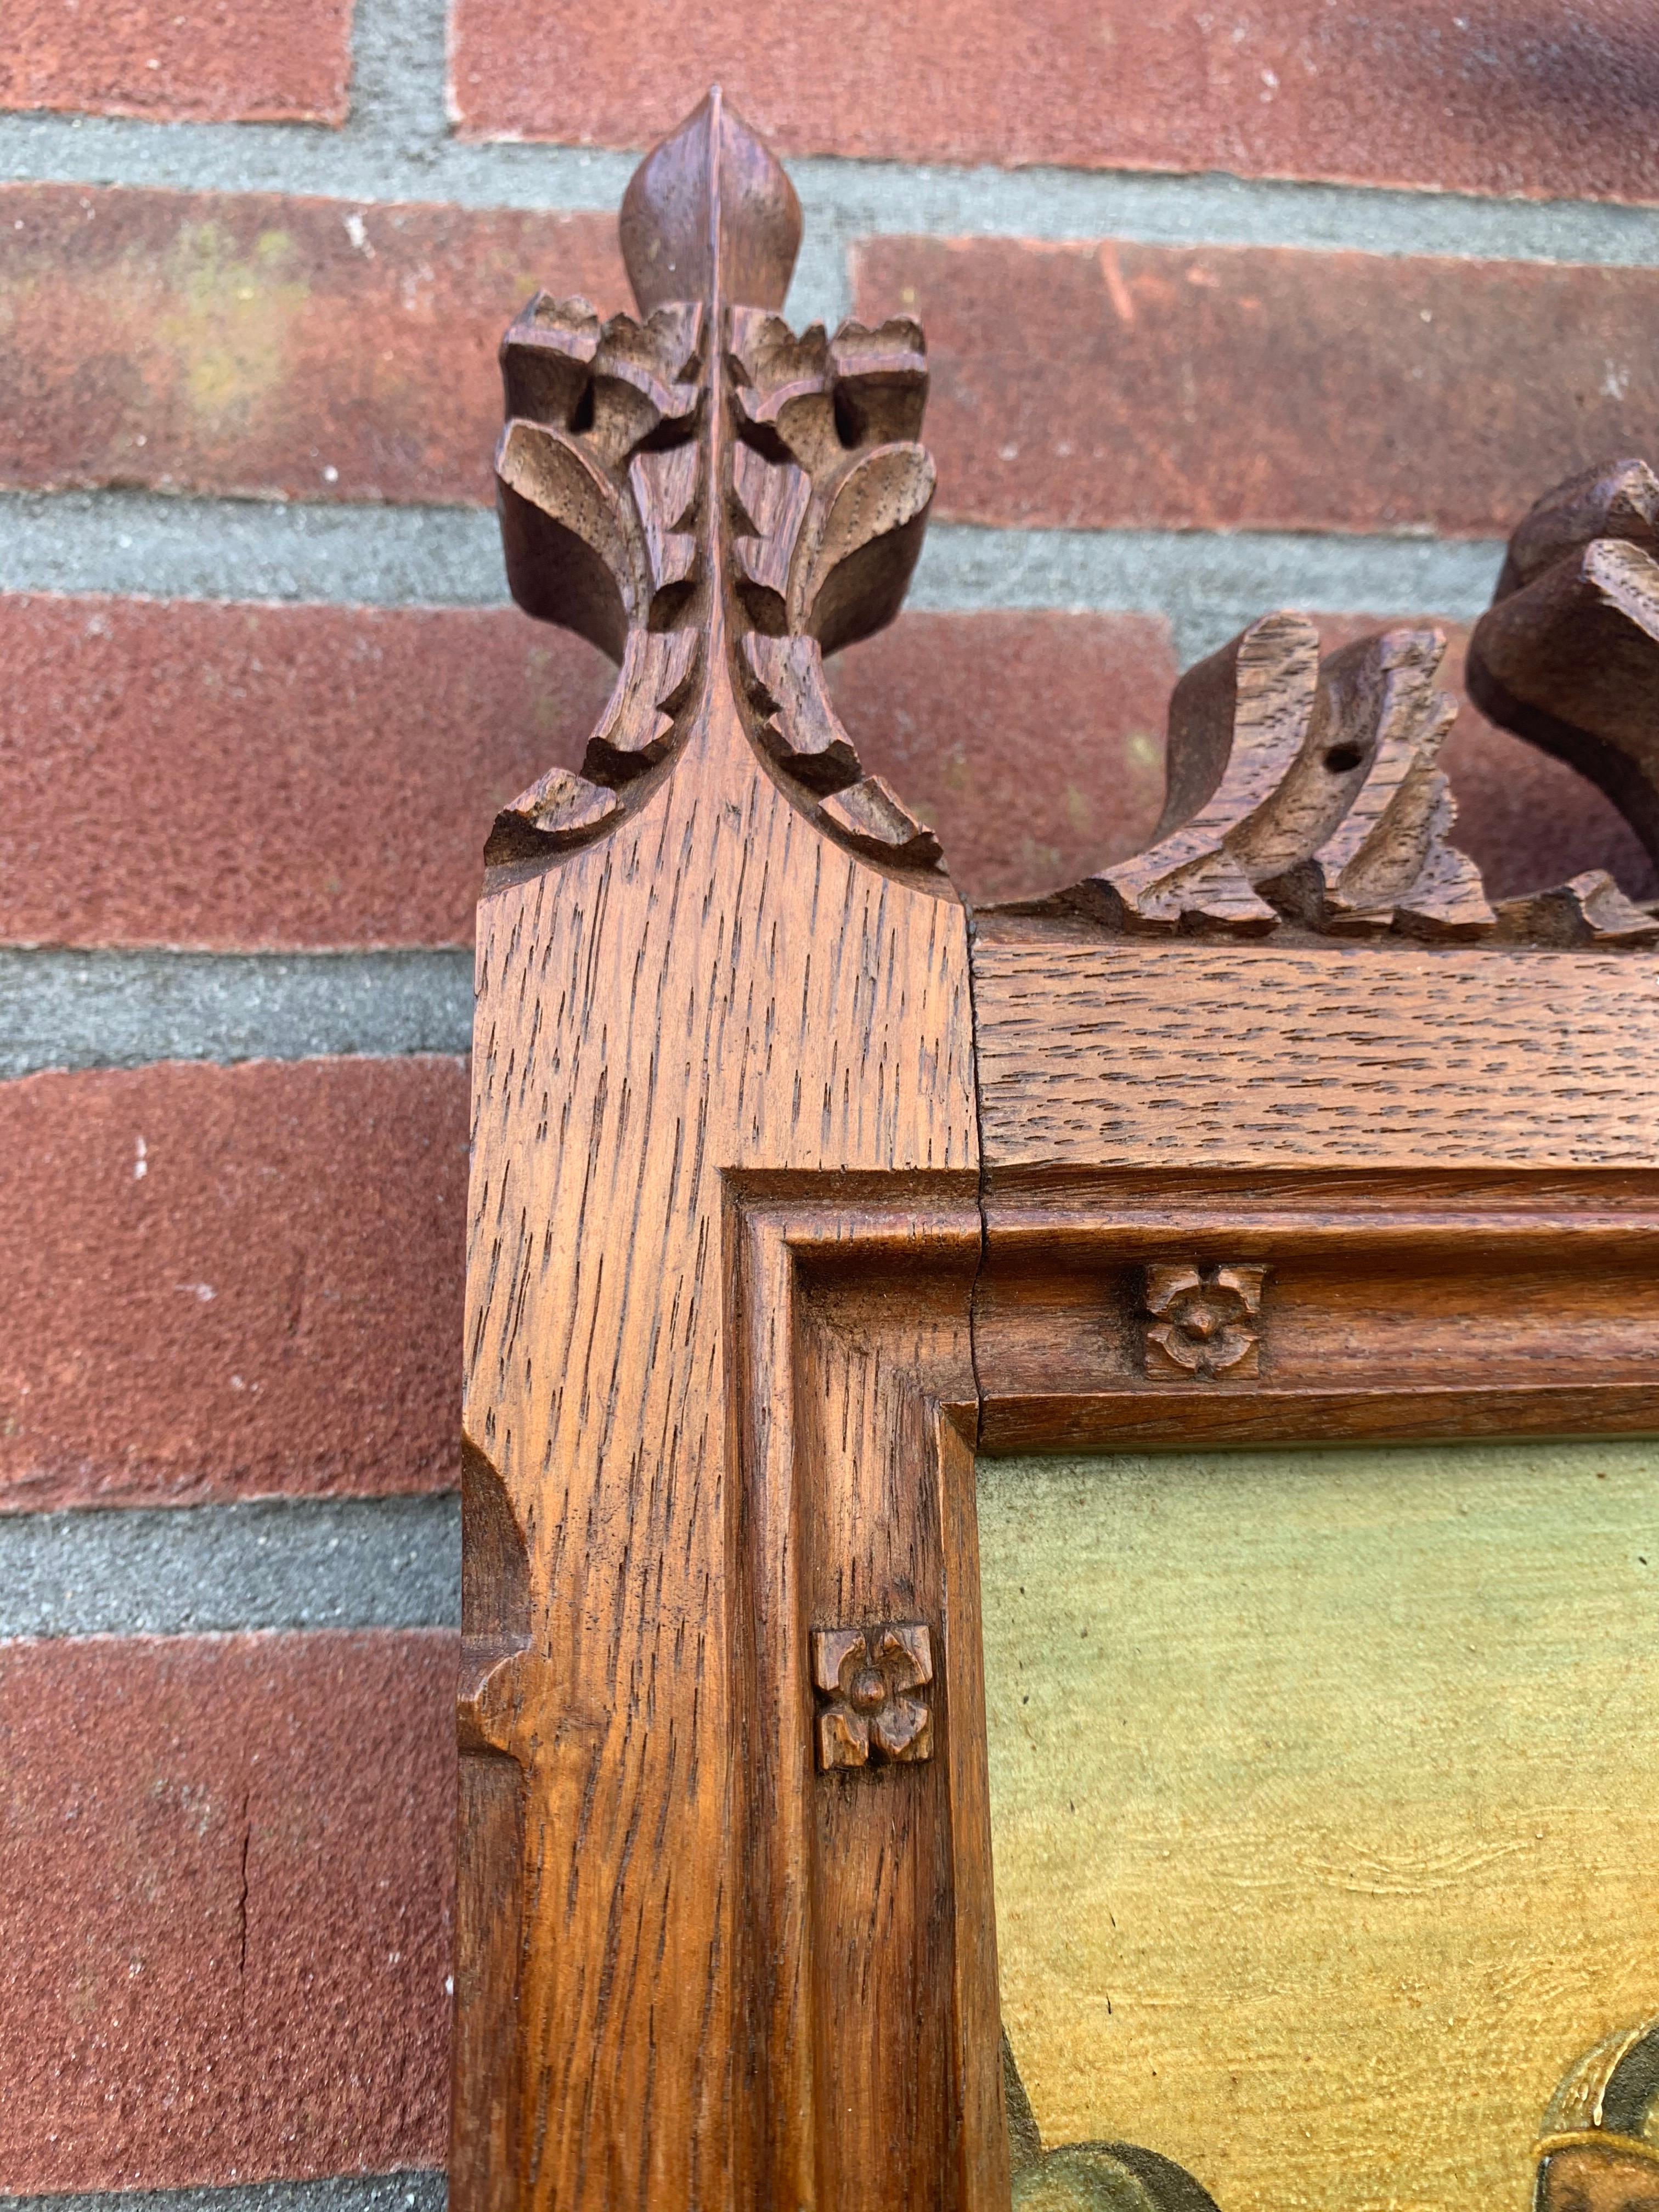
(1326,1803)
(233,316)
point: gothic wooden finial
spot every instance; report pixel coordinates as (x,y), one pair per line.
(709,214)
(709,499)
(674,947)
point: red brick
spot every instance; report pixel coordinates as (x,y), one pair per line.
(1247,387)
(250,343)
(1033,743)
(1554,99)
(300,775)
(229,1282)
(229,1870)
(180,61)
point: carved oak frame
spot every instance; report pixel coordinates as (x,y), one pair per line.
(796,1185)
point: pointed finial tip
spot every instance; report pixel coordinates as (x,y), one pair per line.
(710,212)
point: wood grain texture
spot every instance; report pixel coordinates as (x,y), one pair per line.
(712,982)
(1102,1053)
(873,1472)
(596,1384)
(1387,1304)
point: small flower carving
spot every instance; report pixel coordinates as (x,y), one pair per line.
(868,1677)
(1205,1321)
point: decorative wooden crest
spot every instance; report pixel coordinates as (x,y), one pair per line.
(709,499)
(1304,791)
(715,501)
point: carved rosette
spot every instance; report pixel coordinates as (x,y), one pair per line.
(868,1681)
(1203,1322)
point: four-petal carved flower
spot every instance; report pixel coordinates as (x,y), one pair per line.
(1204,1320)
(868,1676)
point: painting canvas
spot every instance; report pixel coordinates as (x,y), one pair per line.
(1326,1826)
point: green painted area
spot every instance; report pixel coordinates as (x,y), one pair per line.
(1326,1817)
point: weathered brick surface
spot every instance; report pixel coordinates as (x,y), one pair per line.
(304,776)
(324,776)
(1033,743)
(307,776)
(253,344)
(227,1864)
(1553,98)
(250,343)
(1246,387)
(200,61)
(226,1282)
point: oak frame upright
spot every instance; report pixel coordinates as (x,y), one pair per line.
(794,1186)
(719,968)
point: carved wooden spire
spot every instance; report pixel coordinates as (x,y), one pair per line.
(709,215)
(707,498)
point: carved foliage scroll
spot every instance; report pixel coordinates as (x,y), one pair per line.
(831,493)
(599,478)
(708,498)
(1567,655)
(1303,790)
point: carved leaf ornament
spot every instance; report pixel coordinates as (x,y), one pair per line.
(712,498)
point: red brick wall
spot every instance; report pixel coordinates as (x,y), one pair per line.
(1288,303)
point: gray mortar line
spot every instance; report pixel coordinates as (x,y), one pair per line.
(1208,584)
(399,146)
(159,547)
(216,1570)
(63,1009)
(418,2191)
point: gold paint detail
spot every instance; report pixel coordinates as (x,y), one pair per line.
(869,1677)
(1596,2139)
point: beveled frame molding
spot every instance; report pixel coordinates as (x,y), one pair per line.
(883,1344)
(880,1330)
